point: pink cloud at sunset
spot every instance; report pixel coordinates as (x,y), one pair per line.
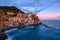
(49,16)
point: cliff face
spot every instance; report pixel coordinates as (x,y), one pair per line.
(8,11)
(13,17)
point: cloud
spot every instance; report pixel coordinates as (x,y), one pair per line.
(49,16)
(57,18)
(29,8)
(32,9)
(30,5)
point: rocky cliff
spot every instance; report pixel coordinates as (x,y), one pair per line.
(10,17)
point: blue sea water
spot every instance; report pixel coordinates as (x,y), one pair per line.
(38,32)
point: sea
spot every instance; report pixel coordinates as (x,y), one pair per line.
(38,32)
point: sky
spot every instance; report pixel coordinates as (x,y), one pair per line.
(45,9)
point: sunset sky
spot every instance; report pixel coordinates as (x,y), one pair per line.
(45,9)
